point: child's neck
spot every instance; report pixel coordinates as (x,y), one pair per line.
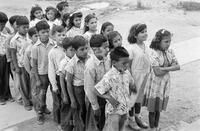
(45,42)
(23,35)
(92,31)
(140,42)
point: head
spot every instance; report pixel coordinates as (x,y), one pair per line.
(90,23)
(137,33)
(63,7)
(120,59)
(36,12)
(75,20)
(79,43)
(22,23)
(65,20)
(106,28)
(67,45)
(3,20)
(12,21)
(51,13)
(99,45)
(114,39)
(161,40)
(58,33)
(32,33)
(43,29)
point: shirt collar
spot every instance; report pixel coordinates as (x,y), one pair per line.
(78,60)
(20,36)
(96,60)
(50,42)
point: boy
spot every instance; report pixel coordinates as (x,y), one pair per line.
(4,70)
(66,112)
(54,57)
(18,45)
(115,87)
(63,8)
(94,71)
(75,80)
(39,63)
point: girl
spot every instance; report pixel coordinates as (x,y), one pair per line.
(65,20)
(74,27)
(106,28)
(52,16)
(157,91)
(36,15)
(140,68)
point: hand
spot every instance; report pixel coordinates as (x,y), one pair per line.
(73,104)
(38,83)
(65,100)
(18,70)
(55,89)
(113,102)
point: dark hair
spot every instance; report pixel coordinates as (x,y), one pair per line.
(32,31)
(57,28)
(78,41)
(67,42)
(13,19)
(64,18)
(86,20)
(117,53)
(60,6)
(104,26)
(22,20)
(97,40)
(3,18)
(72,17)
(134,31)
(160,34)
(42,25)
(33,10)
(111,36)
(56,13)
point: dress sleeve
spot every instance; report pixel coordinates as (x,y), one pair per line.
(154,58)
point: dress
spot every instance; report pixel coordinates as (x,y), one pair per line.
(158,87)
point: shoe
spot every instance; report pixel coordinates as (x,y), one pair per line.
(47,111)
(2,102)
(40,119)
(28,108)
(133,125)
(140,122)
(11,100)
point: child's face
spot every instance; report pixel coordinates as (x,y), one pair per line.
(38,14)
(122,64)
(44,35)
(142,36)
(65,10)
(77,22)
(165,43)
(82,52)
(59,36)
(117,41)
(70,52)
(101,52)
(2,26)
(108,29)
(23,29)
(51,15)
(34,38)
(92,24)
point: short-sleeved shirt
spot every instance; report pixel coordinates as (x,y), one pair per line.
(8,52)
(76,67)
(117,85)
(3,46)
(63,66)
(20,43)
(74,31)
(40,53)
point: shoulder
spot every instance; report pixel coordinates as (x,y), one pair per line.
(90,63)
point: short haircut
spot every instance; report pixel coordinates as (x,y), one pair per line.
(3,17)
(57,28)
(160,34)
(97,40)
(117,53)
(32,31)
(104,26)
(13,19)
(67,42)
(42,25)
(134,31)
(78,41)
(22,20)
(111,36)
(60,6)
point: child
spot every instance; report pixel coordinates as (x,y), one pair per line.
(66,114)
(74,27)
(4,70)
(94,71)
(106,28)
(164,61)
(18,45)
(75,81)
(54,57)
(39,63)
(140,68)
(36,15)
(52,16)
(116,86)
(65,20)
(63,8)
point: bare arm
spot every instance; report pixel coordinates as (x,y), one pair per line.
(14,59)
(171,68)
(69,87)
(62,84)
